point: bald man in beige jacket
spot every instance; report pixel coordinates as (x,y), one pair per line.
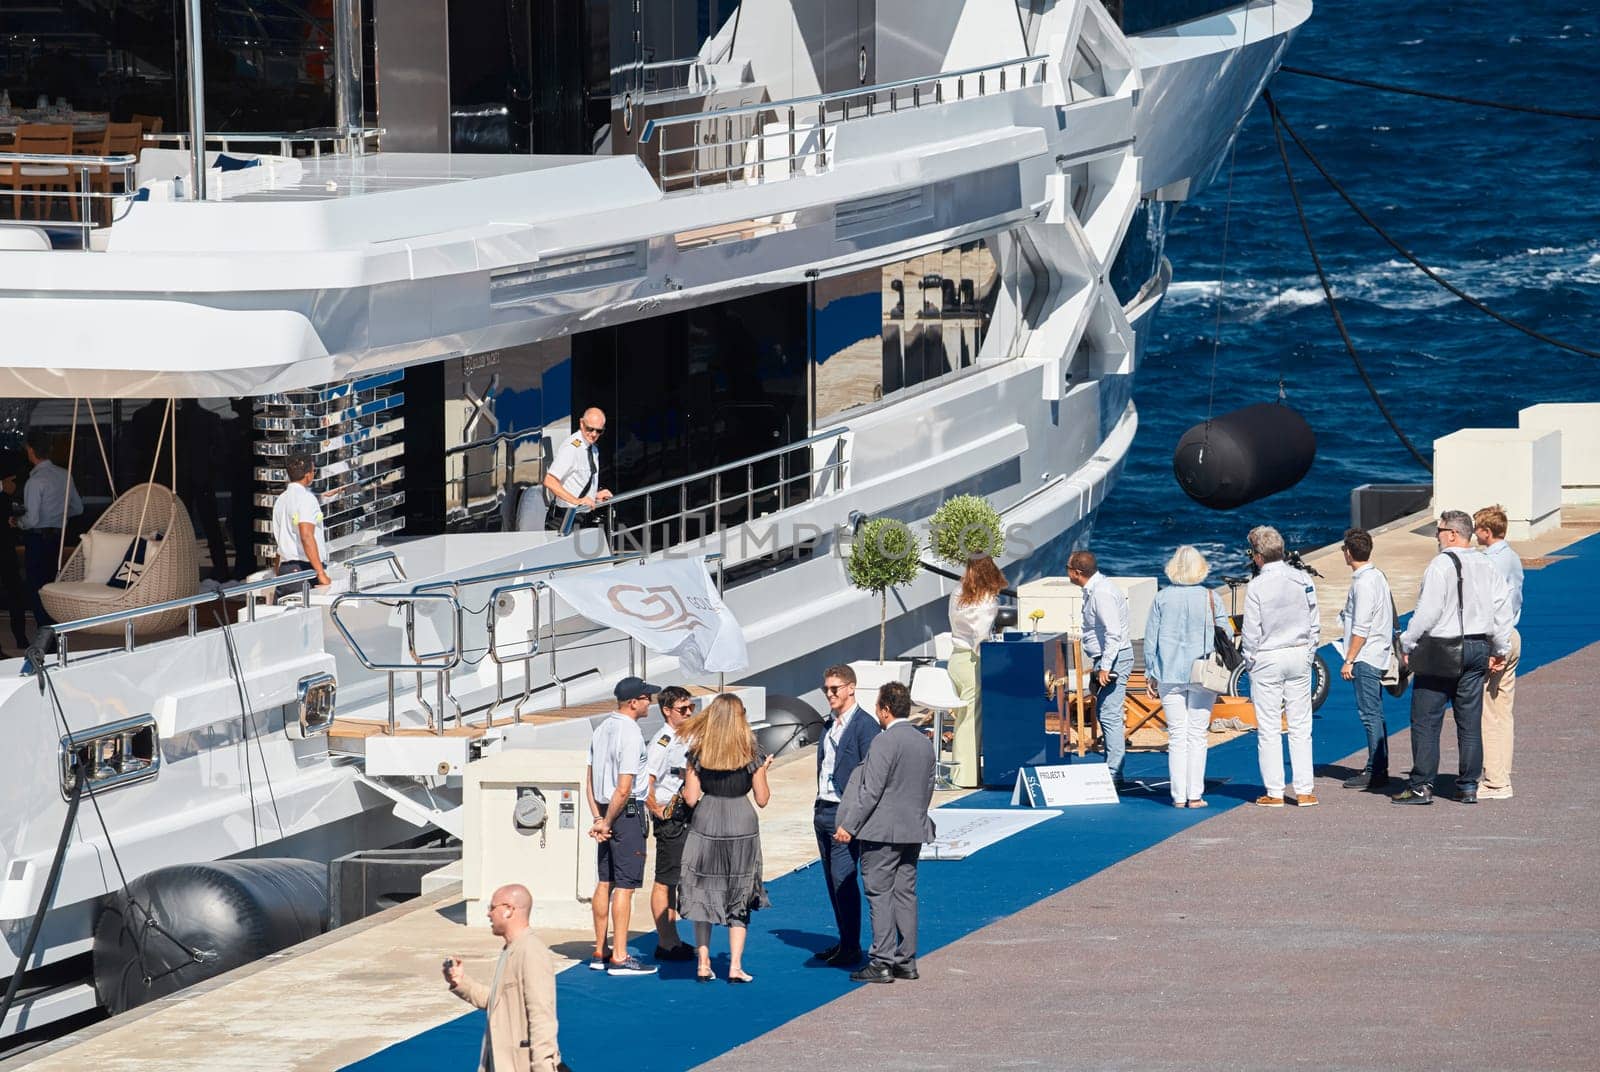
(521,998)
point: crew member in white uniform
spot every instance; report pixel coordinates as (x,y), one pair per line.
(297,524)
(665,758)
(1281,631)
(573,479)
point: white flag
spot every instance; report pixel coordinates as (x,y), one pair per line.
(669,606)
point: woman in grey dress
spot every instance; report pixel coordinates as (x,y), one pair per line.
(721,878)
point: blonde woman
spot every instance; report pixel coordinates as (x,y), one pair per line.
(721,882)
(1179,631)
(973,606)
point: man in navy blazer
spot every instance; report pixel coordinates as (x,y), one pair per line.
(850,731)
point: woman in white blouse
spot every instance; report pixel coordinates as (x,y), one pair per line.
(973,607)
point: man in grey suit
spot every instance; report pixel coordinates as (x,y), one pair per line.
(885,807)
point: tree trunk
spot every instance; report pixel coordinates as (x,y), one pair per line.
(883,622)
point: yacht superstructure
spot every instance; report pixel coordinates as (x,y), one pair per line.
(827,262)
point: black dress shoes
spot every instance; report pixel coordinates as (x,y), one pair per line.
(827,954)
(844,958)
(874,972)
(1468,796)
(905,971)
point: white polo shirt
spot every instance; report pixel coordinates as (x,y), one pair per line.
(577,466)
(617,748)
(298,504)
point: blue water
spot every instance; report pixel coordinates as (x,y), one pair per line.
(1505,205)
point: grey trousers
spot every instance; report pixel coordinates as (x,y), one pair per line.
(889,872)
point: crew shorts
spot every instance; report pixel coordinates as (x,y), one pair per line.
(670,838)
(621,858)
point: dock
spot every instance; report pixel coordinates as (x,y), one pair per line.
(1352,935)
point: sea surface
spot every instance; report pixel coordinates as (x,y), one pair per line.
(1506,206)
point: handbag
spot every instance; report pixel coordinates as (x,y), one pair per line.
(1211,671)
(1397,675)
(1441,656)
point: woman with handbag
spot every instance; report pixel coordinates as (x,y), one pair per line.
(1182,668)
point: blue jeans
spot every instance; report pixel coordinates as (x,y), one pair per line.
(1369,704)
(1108,707)
(1429,697)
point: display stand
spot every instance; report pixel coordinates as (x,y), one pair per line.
(1018,688)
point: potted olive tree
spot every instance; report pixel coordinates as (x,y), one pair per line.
(963,528)
(884,554)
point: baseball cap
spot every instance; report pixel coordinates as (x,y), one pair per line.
(631,688)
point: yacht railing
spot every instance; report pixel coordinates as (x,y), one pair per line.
(438,663)
(780,139)
(73,187)
(288,143)
(461,504)
(249,591)
(661,76)
(726,498)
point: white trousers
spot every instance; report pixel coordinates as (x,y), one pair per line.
(1188,713)
(1280,684)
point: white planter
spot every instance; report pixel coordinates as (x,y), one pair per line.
(872,675)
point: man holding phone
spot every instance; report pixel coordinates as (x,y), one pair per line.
(520,1035)
(1108,647)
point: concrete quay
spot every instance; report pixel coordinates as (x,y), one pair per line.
(1352,935)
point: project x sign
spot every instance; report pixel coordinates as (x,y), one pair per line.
(1064,786)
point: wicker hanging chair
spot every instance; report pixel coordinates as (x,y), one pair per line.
(171,569)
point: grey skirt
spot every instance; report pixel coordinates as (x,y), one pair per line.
(721,878)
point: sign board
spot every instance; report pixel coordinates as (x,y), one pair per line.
(963,831)
(1064,785)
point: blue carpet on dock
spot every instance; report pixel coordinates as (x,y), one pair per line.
(628,1022)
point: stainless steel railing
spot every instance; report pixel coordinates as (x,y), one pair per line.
(438,663)
(781,139)
(720,504)
(288,143)
(249,591)
(76,191)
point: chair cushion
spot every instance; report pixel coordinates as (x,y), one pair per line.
(43,171)
(103,553)
(224,162)
(82,591)
(141,552)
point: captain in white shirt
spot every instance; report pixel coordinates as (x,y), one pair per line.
(573,479)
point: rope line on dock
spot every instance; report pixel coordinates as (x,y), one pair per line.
(1327,289)
(1394,244)
(1453,98)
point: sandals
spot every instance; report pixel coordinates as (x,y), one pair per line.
(1199,804)
(740,977)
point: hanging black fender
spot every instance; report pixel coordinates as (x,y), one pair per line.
(1245,455)
(179,925)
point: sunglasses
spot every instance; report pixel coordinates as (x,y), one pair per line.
(683,707)
(591,429)
(834,689)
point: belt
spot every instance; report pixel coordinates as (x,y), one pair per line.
(1472,636)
